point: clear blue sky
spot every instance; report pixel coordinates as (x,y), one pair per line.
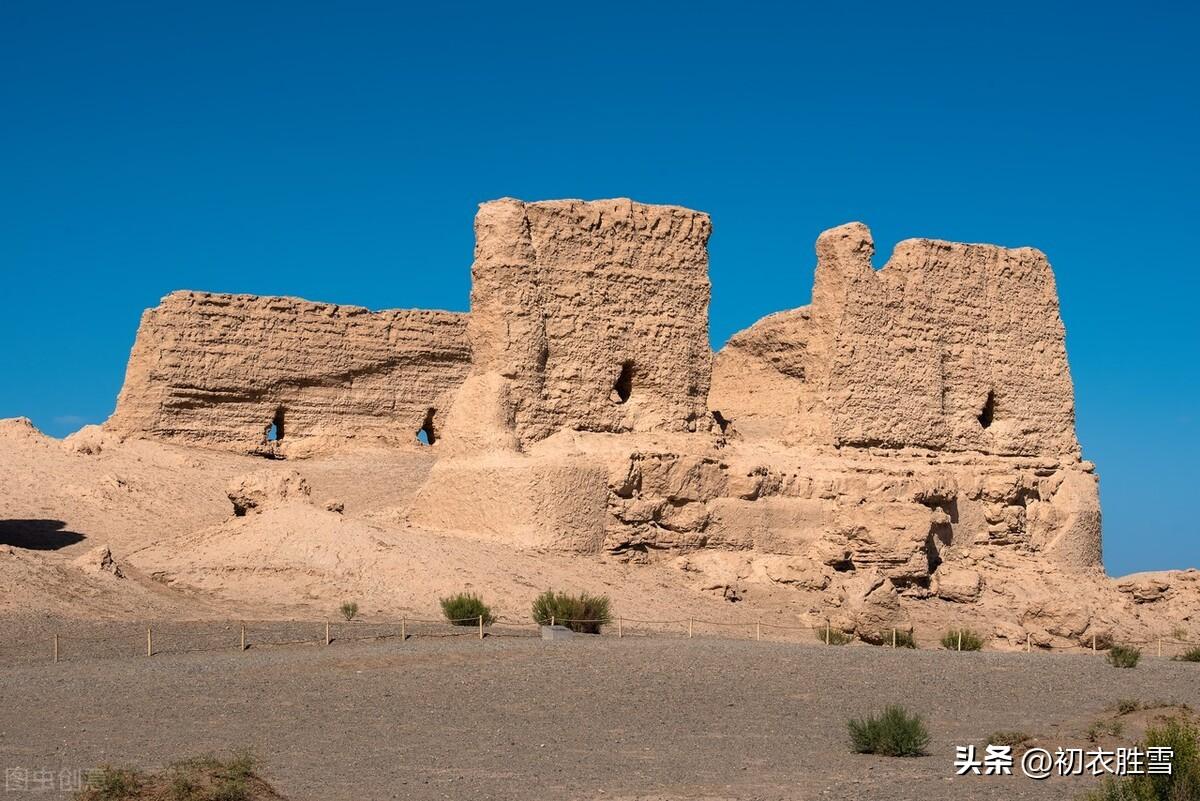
(337,152)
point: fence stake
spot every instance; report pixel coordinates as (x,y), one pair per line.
(552,621)
(149,643)
(481,627)
(1093,642)
(620,633)
(56,648)
(689,628)
(243,636)
(403,629)
(758,631)
(960,639)
(1028,637)
(327,640)
(893,636)
(827,632)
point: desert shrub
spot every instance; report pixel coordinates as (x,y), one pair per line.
(905,639)
(1104,728)
(1124,656)
(1014,739)
(465,609)
(204,778)
(894,732)
(971,641)
(583,613)
(835,636)
(1181,784)
(113,784)
(349,610)
(1190,655)
(1124,706)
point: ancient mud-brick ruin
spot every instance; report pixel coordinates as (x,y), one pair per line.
(912,425)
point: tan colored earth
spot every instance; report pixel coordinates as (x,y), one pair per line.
(901,453)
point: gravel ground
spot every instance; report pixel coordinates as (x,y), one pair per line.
(594,718)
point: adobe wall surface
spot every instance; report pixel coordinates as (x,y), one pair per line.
(949,347)
(594,315)
(218,370)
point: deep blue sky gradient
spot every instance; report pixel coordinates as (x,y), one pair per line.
(337,152)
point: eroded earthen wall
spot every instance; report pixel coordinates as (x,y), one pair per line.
(220,370)
(594,314)
(948,347)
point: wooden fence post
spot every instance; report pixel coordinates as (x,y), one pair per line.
(56,648)
(481,627)
(893,636)
(243,636)
(827,632)
(1093,642)
(149,643)
(327,639)
(403,629)
(1028,639)
(689,628)
(758,630)
(960,639)
(552,620)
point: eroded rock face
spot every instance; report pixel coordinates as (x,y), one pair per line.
(594,314)
(948,347)
(890,441)
(262,489)
(268,375)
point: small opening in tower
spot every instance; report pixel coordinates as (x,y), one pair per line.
(425,434)
(623,387)
(988,413)
(275,432)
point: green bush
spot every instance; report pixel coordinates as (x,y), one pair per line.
(349,610)
(1124,706)
(894,732)
(834,636)
(1181,784)
(583,613)
(1124,656)
(1190,655)
(971,641)
(465,609)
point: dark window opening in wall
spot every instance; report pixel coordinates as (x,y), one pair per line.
(988,413)
(425,434)
(275,432)
(623,387)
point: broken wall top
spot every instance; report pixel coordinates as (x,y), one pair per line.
(221,370)
(948,347)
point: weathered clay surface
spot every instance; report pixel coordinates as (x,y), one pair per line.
(221,370)
(595,315)
(899,453)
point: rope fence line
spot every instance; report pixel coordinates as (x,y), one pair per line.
(179,638)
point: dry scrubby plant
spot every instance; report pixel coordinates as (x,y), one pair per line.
(1124,656)
(832,636)
(201,779)
(349,610)
(1190,655)
(1014,739)
(1181,784)
(893,732)
(962,640)
(583,613)
(465,609)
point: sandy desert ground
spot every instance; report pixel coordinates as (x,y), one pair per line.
(596,718)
